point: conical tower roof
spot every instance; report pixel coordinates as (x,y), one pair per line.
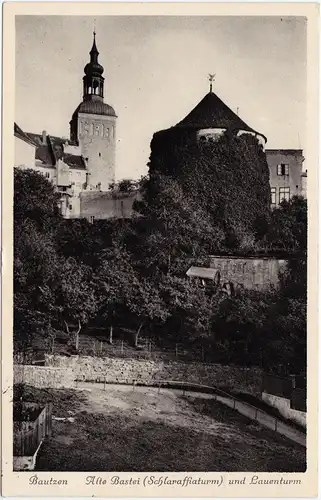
(212,112)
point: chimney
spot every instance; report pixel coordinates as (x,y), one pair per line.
(44,137)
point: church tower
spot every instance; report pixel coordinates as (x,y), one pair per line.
(93,127)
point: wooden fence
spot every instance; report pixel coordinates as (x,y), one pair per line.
(29,434)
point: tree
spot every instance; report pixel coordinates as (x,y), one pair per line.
(76,295)
(36,278)
(239,323)
(287,229)
(35,199)
(125,294)
(48,288)
(190,309)
(172,231)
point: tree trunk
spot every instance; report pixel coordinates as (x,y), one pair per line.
(77,336)
(137,334)
(169,264)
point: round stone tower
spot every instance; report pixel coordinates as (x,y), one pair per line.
(93,127)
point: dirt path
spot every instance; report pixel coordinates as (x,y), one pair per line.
(121,429)
(145,402)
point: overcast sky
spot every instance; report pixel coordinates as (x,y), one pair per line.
(156,71)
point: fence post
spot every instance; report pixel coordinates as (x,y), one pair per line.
(159,388)
(234,403)
(22,442)
(38,432)
(104,382)
(49,419)
(101,346)
(175,350)
(255,418)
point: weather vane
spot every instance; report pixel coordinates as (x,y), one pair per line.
(211,79)
(94,27)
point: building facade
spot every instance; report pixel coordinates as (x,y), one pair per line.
(287,178)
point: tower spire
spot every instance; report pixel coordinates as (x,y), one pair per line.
(211,79)
(93,79)
(94,51)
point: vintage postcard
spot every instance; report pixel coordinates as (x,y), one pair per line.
(160,228)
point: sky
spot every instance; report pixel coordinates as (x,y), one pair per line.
(156,71)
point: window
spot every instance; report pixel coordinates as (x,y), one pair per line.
(273,196)
(283,169)
(91,219)
(284,194)
(47,175)
(99,154)
(70,207)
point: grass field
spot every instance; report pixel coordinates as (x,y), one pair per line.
(124,430)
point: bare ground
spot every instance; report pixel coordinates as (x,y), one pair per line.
(142,430)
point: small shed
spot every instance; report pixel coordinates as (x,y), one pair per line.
(204,273)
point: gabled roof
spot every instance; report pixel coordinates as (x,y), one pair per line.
(44,152)
(18,132)
(52,150)
(212,112)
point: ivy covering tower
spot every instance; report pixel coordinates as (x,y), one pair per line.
(219,163)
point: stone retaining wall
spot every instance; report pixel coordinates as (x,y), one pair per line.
(255,273)
(44,376)
(128,371)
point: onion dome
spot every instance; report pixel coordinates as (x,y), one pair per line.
(93,68)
